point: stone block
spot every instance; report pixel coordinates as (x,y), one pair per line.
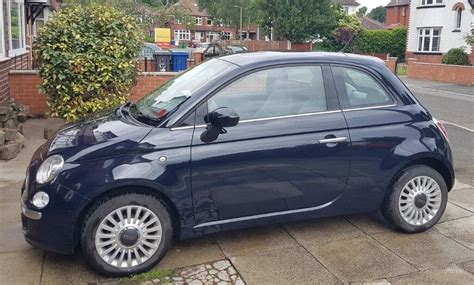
(10,134)
(9,151)
(20,140)
(10,124)
(4,110)
(2,138)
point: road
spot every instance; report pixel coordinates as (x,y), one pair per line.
(456,111)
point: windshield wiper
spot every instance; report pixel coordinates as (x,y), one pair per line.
(137,114)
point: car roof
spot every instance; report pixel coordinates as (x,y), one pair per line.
(263,58)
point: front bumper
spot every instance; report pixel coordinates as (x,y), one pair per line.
(53,228)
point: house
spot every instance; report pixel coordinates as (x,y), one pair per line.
(20,21)
(398,12)
(349,6)
(436,26)
(206,28)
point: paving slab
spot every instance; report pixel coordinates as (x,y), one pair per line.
(10,201)
(463,198)
(21,267)
(451,275)
(283,266)
(254,240)
(359,259)
(322,230)
(468,266)
(370,223)
(425,250)
(454,212)
(191,252)
(67,269)
(11,238)
(461,230)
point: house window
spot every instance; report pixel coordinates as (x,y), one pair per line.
(198,36)
(226,36)
(431,2)
(39,22)
(210,22)
(182,35)
(429,39)
(199,21)
(2,45)
(458,19)
(17,25)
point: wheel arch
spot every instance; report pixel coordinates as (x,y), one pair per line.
(124,189)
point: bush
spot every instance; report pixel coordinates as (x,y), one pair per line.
(392,42)
(87,58)
(456,56)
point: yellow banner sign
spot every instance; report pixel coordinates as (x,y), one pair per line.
(163,36)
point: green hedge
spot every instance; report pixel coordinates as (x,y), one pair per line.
(392,42)
(456,56)
(87,58)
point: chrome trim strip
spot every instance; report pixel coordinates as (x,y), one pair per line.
(269,215)
(369,108)
(30,213)
(334,140)
(264,119)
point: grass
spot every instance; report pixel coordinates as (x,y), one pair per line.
(401,69)
(150,275)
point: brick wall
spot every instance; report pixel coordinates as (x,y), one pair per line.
(396,17)
(24,88)
(455,74)
(391,63)
(423,57)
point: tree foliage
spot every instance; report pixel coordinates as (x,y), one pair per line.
(227,12)
(298,20)
(87,58)
(456,56)
(362,11)
(379,13)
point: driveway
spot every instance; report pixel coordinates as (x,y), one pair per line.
(335,250)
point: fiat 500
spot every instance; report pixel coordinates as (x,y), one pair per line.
(238,141)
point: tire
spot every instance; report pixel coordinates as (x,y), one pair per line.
(138,226)
(414,182)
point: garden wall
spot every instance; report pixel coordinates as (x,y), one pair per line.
(24,88)
(456,74)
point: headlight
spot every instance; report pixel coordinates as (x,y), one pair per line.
(40,200)
(49,169)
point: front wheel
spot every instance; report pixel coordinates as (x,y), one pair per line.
(126,234)
(417,199)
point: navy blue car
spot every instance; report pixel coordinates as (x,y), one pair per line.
(238,141)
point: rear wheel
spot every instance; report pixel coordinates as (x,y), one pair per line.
(417,199)
(126,234)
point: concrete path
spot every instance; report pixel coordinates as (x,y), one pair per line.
(337,250)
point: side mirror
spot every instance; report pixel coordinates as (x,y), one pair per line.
(222,118)
(217,120)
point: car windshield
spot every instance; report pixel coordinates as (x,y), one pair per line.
(161,102)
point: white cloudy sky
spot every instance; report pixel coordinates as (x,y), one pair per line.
(373,3)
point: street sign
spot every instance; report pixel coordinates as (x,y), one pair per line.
(163,37)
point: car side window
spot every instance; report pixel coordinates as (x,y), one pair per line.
(362,90)
(274,92)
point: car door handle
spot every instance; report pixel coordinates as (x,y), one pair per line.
(333,140)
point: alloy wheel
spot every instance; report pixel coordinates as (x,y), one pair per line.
(128,236)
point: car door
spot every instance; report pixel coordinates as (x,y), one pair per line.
(378,125)
(289,151)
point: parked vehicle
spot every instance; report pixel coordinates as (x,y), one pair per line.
(238,141)
(235,49)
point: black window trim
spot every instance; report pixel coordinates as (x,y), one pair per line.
(330,90)
(342,93)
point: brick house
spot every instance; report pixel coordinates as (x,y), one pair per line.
(398,12)
(436,26)
(20,21)
(206,29)
(349,6)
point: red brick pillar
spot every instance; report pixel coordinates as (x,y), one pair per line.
(410,67)
(198,57)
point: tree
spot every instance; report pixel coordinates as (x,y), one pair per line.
(379,13)
(349,28)
(298,20)
(362,11)
(227,12)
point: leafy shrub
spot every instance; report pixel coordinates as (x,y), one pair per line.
(87,58)
(456,56)
(381,41)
